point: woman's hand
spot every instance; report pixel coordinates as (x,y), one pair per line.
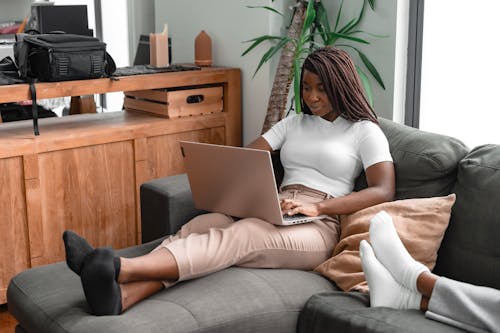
(292,207)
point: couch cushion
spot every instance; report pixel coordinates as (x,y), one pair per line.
(350,312)
(166,203)
(50,299)
(420,224)
(470,250)
(425,163)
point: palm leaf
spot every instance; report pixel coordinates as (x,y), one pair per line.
(322,22)
(368,33)
(339,14)
(347,26)
(268,8)
(353,23)
(369,65)
(256,41)
(371,68)
(296,86)
(336,35)
(371,2)
(271,52)
(309,16)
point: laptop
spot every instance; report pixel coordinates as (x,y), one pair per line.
(235,181)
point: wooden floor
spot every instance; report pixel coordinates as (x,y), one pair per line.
(7,322)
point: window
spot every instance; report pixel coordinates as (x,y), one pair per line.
(459,82)
(114,25)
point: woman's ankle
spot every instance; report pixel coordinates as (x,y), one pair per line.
(425,283)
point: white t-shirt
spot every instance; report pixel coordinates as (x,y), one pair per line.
(324,155)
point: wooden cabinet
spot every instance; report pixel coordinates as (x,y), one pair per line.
(84,171)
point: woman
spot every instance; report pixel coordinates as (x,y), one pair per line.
(323,151)
(397,281)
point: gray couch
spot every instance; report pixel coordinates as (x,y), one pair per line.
(50,298)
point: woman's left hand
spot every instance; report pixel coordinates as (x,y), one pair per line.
(292,207)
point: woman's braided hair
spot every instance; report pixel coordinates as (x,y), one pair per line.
(337,72)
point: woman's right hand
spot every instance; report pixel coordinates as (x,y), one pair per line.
(292,207)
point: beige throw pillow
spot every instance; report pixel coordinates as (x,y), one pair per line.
(420,224)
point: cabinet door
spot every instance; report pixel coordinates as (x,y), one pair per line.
(90,190)
(14,244)
(164,154)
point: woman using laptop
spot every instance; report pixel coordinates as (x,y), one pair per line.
(323,151)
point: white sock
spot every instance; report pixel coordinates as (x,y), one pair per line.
(391,252)
(384,289)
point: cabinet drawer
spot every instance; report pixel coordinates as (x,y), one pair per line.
(175,103)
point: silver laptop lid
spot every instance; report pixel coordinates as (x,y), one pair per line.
(232,180)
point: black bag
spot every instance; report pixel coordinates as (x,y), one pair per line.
(16,112)
(61,57)
(8,72)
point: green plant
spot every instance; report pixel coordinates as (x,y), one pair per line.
(315,23)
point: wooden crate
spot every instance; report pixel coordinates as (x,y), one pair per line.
(175,103)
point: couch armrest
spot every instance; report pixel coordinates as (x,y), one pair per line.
(166,204)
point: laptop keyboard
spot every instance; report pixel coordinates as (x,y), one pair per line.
(294,219)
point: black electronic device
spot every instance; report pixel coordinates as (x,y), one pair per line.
(71,19)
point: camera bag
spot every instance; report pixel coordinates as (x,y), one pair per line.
(58,56)
(61,57)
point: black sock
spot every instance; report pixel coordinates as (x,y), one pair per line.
(101,289)
(77,248)
(117,264)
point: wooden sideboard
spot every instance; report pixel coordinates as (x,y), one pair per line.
(83,172)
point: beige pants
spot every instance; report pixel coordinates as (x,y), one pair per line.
(212,242)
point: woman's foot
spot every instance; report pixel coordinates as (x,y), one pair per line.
(384,289)
(391,252)
(77,249)
(99,280)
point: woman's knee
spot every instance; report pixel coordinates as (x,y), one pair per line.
(202,223)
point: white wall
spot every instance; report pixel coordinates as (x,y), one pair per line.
(141,20)
(229,23)
(14,9)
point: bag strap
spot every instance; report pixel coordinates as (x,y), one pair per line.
(34,108)
(109,66)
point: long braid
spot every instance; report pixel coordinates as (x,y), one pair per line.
(337,72)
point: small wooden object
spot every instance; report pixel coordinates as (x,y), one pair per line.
(82,104)
(203,49)
(175,103)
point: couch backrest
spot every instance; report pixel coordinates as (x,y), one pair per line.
(425,163)
(470,250)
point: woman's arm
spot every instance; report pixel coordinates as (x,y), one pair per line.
(260,143)
(381,188)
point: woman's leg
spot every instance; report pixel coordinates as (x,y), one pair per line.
(385,291)
(455,303)
(156,265)
(100,270)
(160,264)
(425,285)
(470,307)
(254,243)
(135,292)
(391,252)
(199,225)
